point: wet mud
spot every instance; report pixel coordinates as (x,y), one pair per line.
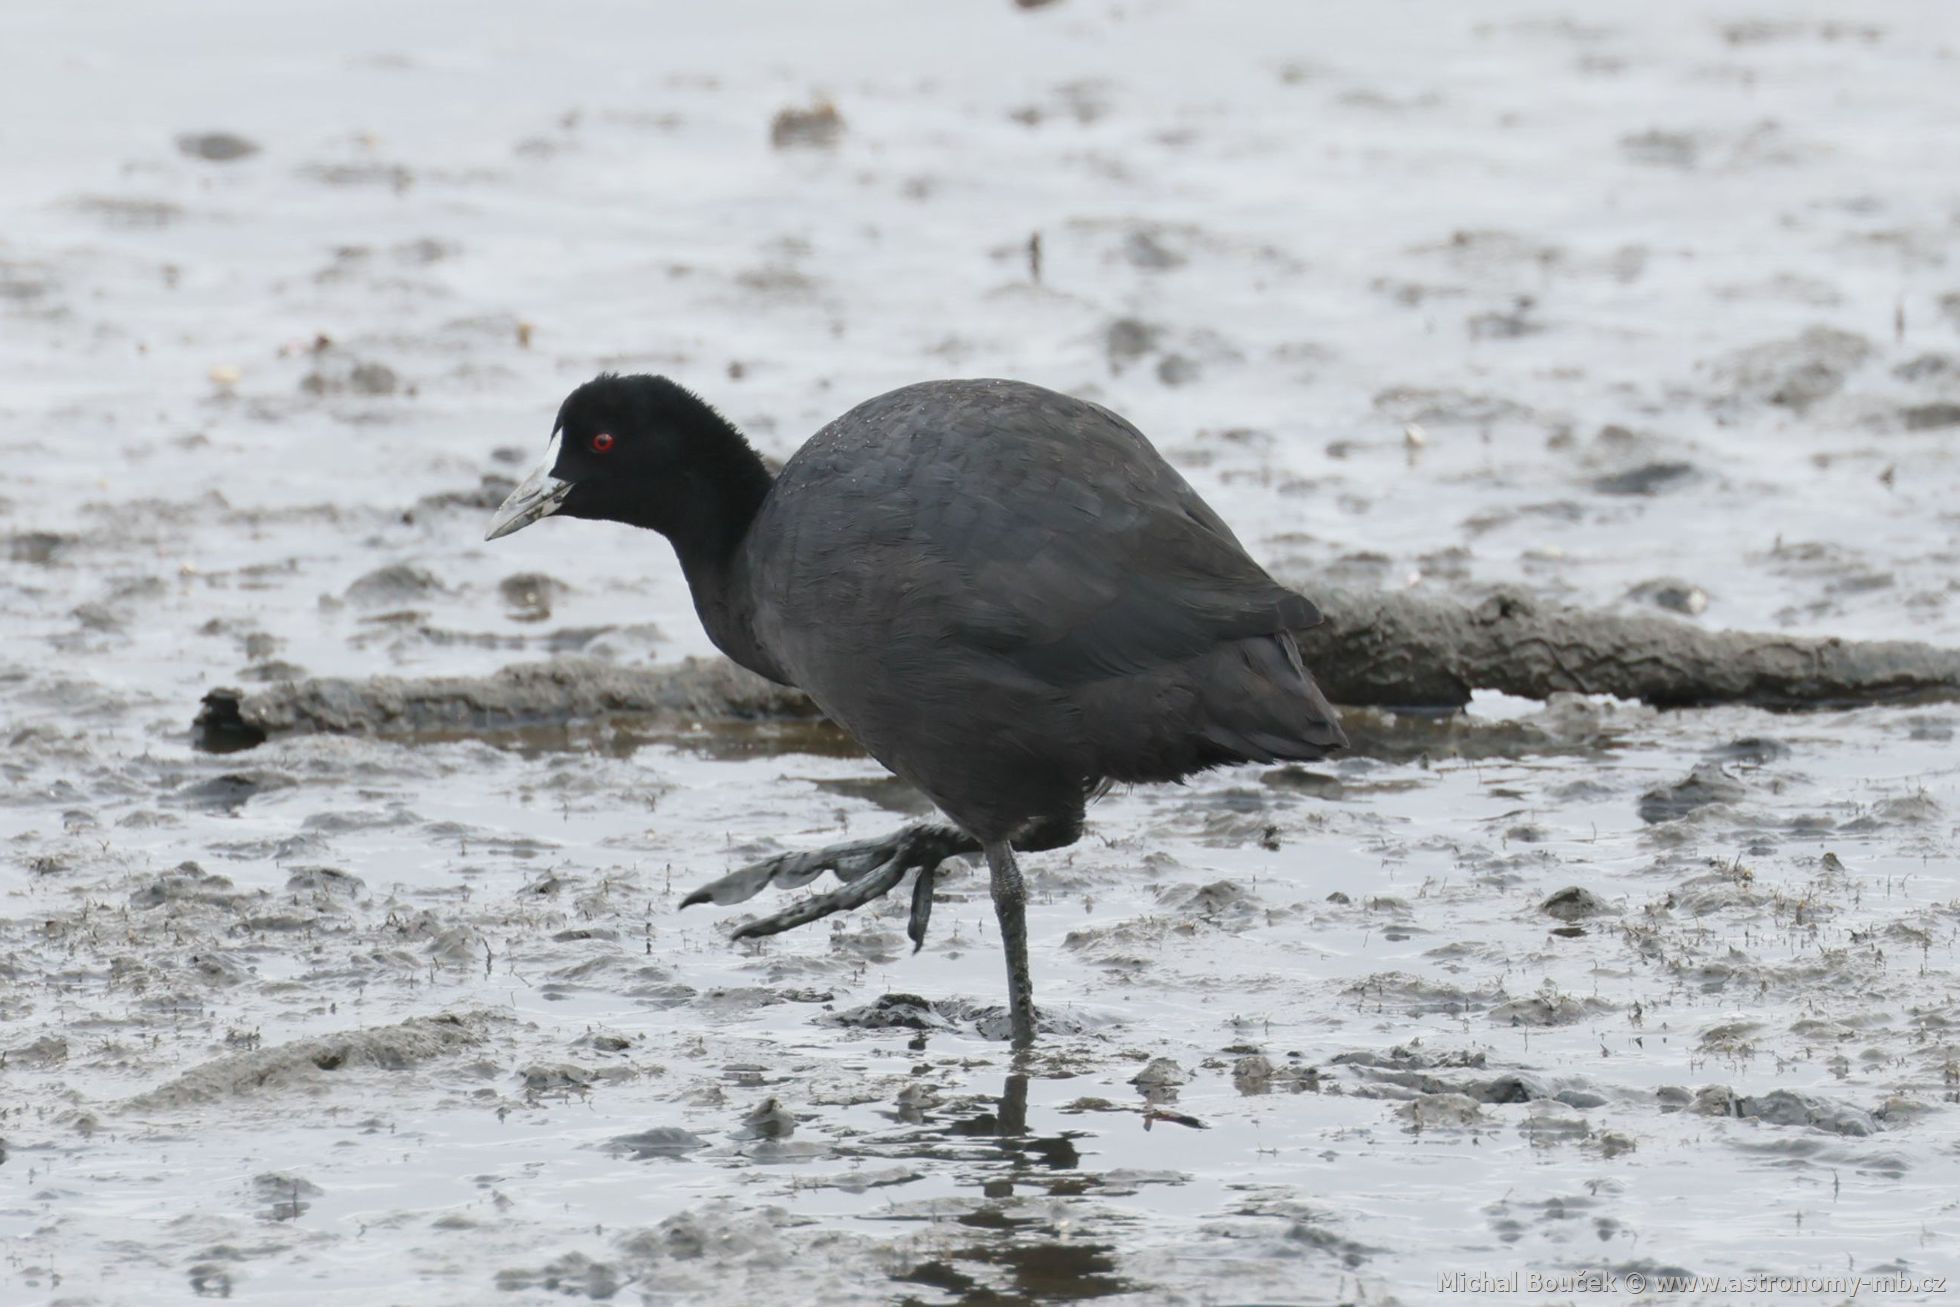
(398,1003)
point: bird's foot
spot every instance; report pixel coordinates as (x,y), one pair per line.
(868,868)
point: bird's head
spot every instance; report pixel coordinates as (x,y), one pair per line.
(624,449)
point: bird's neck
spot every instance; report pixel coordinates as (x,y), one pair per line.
(724,494)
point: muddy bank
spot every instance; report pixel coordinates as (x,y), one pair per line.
(1407,650)
(527,695)
(1391,651)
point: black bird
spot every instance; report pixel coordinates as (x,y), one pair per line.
(1005,594)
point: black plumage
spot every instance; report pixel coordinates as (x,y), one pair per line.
(1005,594)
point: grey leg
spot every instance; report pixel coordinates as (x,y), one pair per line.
(1010,906)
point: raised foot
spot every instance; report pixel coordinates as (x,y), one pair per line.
(868,868)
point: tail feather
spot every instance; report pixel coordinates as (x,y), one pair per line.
(1249,700)
(1261,704)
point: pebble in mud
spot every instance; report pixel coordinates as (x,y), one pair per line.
(817,126)
(528,596)
(328,882)
(1707,784)
(1672,594)
(1441,1111)
(189,882)
(1792,373)
(397,583)
(356,378)
(1647,479)
(1751,751)
(37,547)
(908,1011)
(1928,367)
(658,1142)
(1178,370)
(574,1276)
(1542,1010)
(216,147)
(1930,417)
(768,1119)
(1146,249)
(232,791)
(555,1078)
(1127,340)
(1574,903)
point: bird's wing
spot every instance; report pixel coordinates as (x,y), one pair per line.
(1084,555)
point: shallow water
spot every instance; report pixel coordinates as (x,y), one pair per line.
(1416,297)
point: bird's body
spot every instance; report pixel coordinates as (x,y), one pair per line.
(1010,599)
(1005,594)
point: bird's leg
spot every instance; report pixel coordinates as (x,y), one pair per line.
(1010,906)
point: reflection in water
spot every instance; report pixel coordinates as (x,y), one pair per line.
(1039,1264)
(1037,1272)
(621,735)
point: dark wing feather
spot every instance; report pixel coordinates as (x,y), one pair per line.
(1087,556)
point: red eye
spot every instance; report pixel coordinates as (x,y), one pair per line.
(602,443)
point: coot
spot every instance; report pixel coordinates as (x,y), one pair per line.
(1005,594)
